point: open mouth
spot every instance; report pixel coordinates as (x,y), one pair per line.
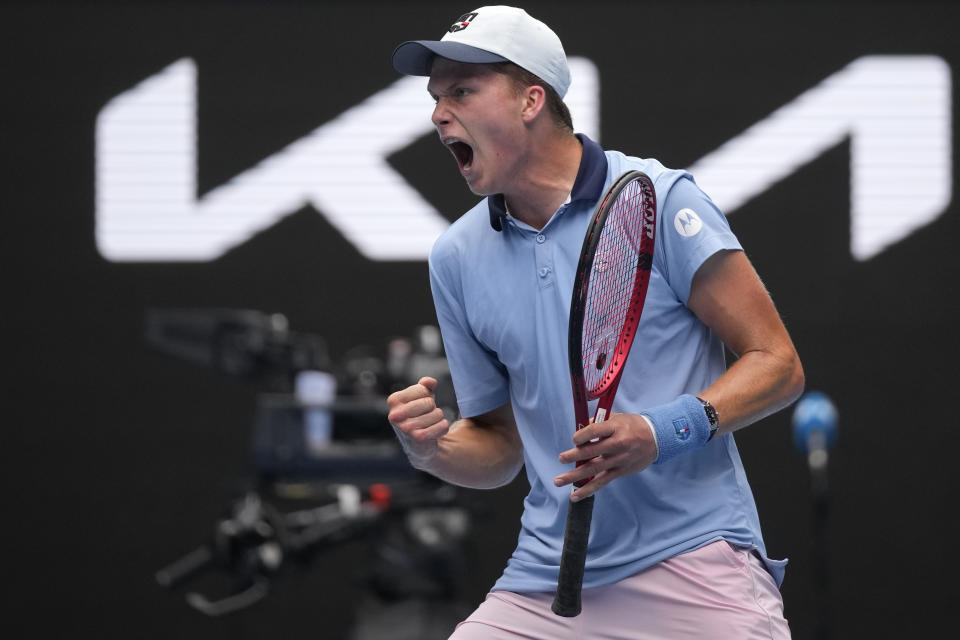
(462,152)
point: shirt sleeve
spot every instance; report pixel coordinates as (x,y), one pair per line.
(479,379)
(691,229)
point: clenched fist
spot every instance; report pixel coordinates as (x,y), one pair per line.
(418,421)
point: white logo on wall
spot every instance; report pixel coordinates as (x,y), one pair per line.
(896,111)
(147,204)
(687,223)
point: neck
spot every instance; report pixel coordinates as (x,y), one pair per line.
(550,169)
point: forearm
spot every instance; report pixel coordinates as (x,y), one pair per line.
(760,383)
(481,452)
(474,454)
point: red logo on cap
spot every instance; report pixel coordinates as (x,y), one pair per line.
(462,22)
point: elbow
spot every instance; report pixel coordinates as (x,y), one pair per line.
(794,378)
(496,483)
(502,472)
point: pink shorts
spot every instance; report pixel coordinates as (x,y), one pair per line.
(718,591)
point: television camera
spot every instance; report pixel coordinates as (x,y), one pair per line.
(321,441)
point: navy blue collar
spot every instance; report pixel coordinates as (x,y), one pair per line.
(588,185)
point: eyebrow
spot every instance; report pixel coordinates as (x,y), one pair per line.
(463,74)
(449,87)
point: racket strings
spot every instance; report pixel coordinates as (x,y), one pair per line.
(613,278)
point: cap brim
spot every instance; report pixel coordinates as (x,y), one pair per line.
(415,57)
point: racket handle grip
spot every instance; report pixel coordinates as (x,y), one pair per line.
(566,603)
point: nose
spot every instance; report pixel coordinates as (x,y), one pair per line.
(441,115)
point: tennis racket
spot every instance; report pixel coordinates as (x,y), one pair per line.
(609,290)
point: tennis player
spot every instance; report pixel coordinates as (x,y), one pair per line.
(676,549)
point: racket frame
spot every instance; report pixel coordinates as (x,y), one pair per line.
(567,602)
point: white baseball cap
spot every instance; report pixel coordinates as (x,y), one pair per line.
(492,34)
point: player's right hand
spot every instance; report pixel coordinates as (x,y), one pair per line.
(418,421)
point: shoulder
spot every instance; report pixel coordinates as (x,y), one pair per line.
(664,178)
(676,188)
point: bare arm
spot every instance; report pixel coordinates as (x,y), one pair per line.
(727,296)
(481,452)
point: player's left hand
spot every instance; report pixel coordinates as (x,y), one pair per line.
(622,444)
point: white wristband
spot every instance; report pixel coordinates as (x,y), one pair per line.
(653,432)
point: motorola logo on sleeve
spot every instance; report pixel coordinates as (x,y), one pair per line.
(687,223)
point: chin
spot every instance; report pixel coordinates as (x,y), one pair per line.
(478,188)
(478,192)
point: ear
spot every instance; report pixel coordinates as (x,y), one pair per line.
(534,100)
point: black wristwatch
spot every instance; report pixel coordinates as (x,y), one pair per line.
(712,417)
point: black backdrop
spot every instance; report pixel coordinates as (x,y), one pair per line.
(116,458)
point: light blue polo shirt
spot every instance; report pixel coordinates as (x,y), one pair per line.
(503,299)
